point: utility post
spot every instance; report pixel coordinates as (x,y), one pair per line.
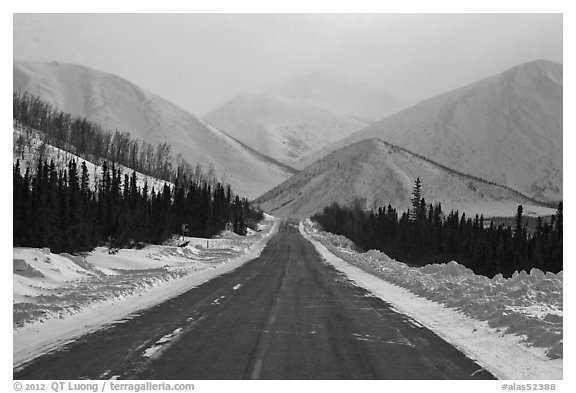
(185,229)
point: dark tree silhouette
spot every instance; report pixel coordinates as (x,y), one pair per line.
(59,210)
(437,238)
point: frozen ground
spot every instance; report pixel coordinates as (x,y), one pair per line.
(57,297)
(513,327)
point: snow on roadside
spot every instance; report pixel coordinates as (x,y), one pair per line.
(69,296)
(511,327)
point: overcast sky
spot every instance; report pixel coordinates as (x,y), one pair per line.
(200,61)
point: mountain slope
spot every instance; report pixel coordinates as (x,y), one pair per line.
(506,129)
(279,127)
(382,173)
(28,158)
(117,103)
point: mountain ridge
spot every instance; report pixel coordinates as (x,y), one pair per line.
(506,128)
(382,174)
(281,127)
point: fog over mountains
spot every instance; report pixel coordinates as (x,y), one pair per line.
(341,95)
(298,116)
(506,129)
(284,128)
(117,103)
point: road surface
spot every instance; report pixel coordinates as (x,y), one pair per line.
(284,315)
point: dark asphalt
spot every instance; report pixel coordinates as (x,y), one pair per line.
(284,315)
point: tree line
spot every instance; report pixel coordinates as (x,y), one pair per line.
(57,208)
(424,234)
(90,141)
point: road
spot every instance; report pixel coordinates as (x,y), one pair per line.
(284,315)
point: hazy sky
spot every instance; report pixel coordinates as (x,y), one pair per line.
(200,61)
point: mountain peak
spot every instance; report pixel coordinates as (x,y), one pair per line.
(539,69)
(281,127)
(540,63)
(379,174)
(506,129)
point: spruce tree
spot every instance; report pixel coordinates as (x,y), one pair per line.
(415,213)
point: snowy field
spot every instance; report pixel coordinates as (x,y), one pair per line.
(512,327)
(57,297)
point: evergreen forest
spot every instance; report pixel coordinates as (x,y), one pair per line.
(424,234)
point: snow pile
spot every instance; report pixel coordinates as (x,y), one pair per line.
(47,334)
(528,304)
(48,286)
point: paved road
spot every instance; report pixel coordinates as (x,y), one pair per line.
(284,315)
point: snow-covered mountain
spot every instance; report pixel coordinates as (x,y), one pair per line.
(382,173)
(279,127)
(116,103)
(506,129)
(341,95)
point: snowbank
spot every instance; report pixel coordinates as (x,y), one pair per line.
(513,327)
(69,296)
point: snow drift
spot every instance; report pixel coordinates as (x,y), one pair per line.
(528,304)
(56,286)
